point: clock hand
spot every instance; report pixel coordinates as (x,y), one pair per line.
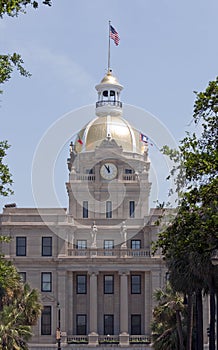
(107,168)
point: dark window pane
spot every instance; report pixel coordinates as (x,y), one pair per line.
(108,284)
(128,171)
(108,246)
(132,209)
(135,324)
(136,244)
(108,324)
(46,321)
(108,209)
(21,246)
(81,324)
(81,245)
(81,285)
(85,209)
(46,246)
(135,284)
(46,282)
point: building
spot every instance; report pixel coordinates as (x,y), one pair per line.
(92,262)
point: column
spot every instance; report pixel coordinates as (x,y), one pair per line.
(148,297)
(70,303)
(93,310)
(61,281)
(124,336)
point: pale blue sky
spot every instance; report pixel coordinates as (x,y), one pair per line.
(167,50)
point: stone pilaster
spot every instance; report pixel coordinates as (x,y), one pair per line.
(148,297)
(124,336)
(61,282)
(93,310)
(70,302)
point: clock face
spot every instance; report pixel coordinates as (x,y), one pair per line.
(108,171)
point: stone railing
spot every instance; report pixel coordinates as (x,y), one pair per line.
(85,177)
(109,253)
(139,339)
(109,102)
(130,177)
(77,339)
(91,177)
(108,339)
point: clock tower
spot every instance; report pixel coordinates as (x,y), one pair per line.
(108,164)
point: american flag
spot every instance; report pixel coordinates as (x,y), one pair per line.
(114,35)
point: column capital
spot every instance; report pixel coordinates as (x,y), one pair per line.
(123,273)
(93,272)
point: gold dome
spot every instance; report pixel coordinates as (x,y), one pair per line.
(109,78)
(118,128)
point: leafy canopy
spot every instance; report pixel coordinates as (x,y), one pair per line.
(13,7)
(5,176)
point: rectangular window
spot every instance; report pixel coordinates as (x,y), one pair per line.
(108,324)
(81,284)
(81,246)
(135,324)
(46,321)
(20,246)
(46,246)
(136,244)
(85,209)
(131,209)
(136,284)
(128,171)
(108,209)
(108,284)
(46,281)
(81,325)
(22,277)
(108,246)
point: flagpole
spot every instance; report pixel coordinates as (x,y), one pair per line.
(109,49)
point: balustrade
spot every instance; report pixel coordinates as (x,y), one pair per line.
(109,253)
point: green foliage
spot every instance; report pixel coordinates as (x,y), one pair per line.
(13,334)
(194,229)
(5,176)
(189,241)
(14,7)
(19,308)
(167,317)
(7,65)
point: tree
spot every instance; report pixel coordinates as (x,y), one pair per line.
(193,233)
(14,7)
(17,317)
(5,176)
(167,328)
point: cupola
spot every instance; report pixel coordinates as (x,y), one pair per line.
(109,96)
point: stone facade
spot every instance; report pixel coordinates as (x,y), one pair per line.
(92,262)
